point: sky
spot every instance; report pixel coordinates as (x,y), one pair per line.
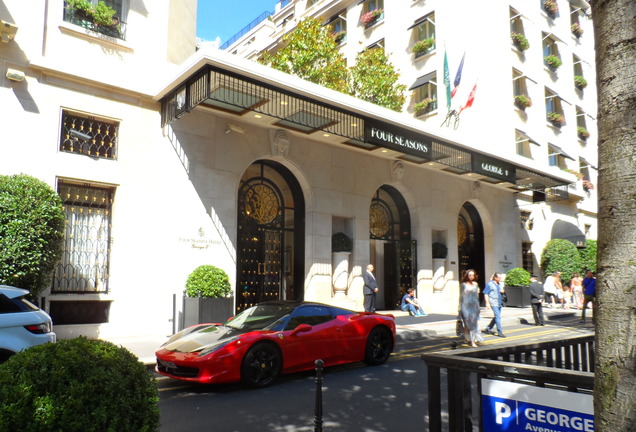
(219,20)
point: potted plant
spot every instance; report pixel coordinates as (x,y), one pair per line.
(340,36)
(580,82)
(553,62)
(517,288)
(522,102)
(588,185)
(439,250)
(422,46)
(206,296)
(370,17)
(100,14)
(582,133)
(520,41)
(424,106)
(576,29)
(551,7)
(556,119)
(341,247)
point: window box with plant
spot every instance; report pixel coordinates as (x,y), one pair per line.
(520,41)
(424,106)
(423,46)
(580,82)
(557,119)
(97,17)
(588,185)
(340,36)
(522,102)
(551,7)
(576,29)
(369,18)
(553,62)
(582,133)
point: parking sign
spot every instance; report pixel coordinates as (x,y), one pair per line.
(513,407)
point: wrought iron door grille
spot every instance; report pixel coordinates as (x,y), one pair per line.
(89,136)
(85,260)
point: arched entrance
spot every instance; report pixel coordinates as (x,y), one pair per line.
(393,253)
(271,227)
(470,242)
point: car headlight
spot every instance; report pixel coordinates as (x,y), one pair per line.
(211,348)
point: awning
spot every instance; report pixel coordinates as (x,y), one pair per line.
(568,231)
(560,151)
(423,80)
(585,161)
(419,21)
(527,137)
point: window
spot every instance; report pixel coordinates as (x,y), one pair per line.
(520,90)
(376,45)
(338,27)
(551,55)
(575,23)
(423,35)
(92,21)
(584,169)
(523,144)
(312,315)
(579,80)
(311,2)
(556,157)
(85,259)
(372,12)
(554,109)
(517,31)
(581,125)
(527,257)
(425,94)
(89,135)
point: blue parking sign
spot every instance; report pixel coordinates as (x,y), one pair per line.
(513,407)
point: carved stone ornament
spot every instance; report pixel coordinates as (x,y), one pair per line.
(279,142)
(397,171)
(476,189)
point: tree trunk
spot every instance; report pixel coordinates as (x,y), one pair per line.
(615,311)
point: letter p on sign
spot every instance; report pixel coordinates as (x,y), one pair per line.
(502,411)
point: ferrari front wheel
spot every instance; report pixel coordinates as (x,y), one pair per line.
(261,365)
(379,346)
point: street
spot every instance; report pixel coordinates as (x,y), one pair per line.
(356,398)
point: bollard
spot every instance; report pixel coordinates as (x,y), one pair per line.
(318,409)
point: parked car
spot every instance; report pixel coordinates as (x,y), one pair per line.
(275,338)
(22,324)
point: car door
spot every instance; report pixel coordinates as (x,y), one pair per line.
(302,346)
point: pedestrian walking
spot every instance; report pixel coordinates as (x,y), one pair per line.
(589,293)
(469,308)
(494,300)
(536,300)
(577,290)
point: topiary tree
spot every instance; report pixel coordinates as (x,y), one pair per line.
(517,277)
(588,256)
(31,232)
(560,255)
(208,281)
(340,242)
(77,385)
(439,250)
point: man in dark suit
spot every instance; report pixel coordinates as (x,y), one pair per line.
(536,299)
(370,289)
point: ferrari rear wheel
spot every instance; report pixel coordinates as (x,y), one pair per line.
(379,346)
(261,365)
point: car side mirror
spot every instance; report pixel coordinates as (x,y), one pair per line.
(302,328)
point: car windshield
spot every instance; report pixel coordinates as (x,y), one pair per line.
(260,317)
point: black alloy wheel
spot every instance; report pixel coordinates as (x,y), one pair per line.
(379,346)
(261,365)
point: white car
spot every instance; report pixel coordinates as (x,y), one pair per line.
(22,324)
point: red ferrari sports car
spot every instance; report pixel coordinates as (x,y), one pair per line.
(277,337)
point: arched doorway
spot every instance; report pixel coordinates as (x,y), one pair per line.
(393,253)
(470,242)
(271,227)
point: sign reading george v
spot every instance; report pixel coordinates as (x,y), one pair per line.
(494,168)
(398,139)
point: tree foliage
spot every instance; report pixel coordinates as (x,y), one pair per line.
(560,255)
(208,281)
(31,232)
(310,52)
(588,256)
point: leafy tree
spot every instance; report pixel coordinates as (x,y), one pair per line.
(208,281)
(374,79)
(560,255)
(588,256)
(310,52)
(31,232)
(615,341)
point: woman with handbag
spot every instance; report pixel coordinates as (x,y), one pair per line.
(469,308)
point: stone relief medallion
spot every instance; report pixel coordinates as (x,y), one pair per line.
(279,142)
(378,220)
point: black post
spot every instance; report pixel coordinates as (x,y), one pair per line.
(318,410)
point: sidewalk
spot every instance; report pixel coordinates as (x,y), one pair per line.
(408,327)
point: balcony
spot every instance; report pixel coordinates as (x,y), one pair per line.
(89,21)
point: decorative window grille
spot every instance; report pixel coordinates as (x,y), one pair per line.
(526,222)
(85,260)
(527,257)
(88,135)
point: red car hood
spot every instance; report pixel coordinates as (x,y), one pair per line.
(201,338)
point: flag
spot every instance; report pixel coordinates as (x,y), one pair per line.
(471,99)
(458,76)
(447,81)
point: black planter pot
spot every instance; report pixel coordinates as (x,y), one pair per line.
(518,296)
(197,310)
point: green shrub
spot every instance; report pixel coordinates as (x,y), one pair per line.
(439,250)
(77,385)
(208,281)
(31,232)
(517,277)
(340,242)
(560,255)
(588,256)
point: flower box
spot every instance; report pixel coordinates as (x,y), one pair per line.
(424,106)
(522,102)
(556,119)
(576,29)
(553,62)
(423,46)
(520,41)
(371,17)
(551,7)
(340,36)
(588,185)
(582,133)
(580,82)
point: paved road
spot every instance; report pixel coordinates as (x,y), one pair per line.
(356,398)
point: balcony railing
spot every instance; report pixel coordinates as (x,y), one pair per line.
(80,18)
